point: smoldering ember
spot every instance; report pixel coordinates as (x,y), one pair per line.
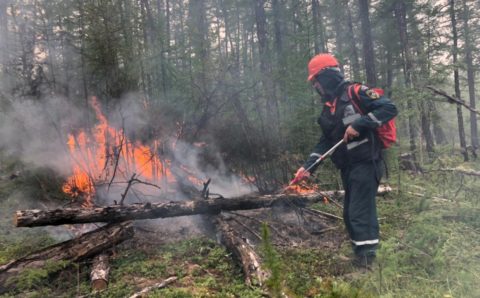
(186,148)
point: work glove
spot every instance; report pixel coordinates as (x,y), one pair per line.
(300,175)
(350,133)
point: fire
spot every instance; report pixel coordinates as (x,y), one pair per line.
(105,156)
(302,188)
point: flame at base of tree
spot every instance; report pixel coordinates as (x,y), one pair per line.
(105,156)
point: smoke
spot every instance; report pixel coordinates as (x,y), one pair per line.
(34,131)
(223,181)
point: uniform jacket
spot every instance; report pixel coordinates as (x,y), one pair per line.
(338,113)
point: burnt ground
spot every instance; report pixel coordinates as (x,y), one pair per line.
(289,226)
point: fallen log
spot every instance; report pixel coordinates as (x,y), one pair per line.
(85,246)
(100,272)
(119,213)
(255,275)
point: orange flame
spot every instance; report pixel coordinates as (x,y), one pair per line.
(302,189)
(107,155)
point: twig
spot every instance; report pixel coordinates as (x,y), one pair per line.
(331,200)
(205,190)
(260,222)
(130,182)
(425,196)
(459,171)
(159,285)
(117,159)
(326,230)
(318,212)
(247,228)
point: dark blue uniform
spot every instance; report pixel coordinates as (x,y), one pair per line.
(359,161)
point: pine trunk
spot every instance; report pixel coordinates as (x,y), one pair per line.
(470,75)
(461,129)
(400,16)
(368,52)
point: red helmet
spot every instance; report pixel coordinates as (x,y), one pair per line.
(319,63)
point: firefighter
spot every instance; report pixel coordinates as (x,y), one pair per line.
(359,157)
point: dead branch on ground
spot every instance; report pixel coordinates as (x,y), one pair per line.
(159,285)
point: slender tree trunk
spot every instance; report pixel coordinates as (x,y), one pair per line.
(440,137)
(470,75)
(338,18)
(318,36)
(461,129)
(424,72)
(199,35)
(266,71)
(277,24)
(353,47)
(3,35)
(427,134)
(368,52)
(389,80)
(400,14)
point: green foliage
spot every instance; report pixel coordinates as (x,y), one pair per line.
(273,263)
(38,277)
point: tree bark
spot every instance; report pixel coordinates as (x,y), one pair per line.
(85,246)
(118,213)
(461,129)
(100,272)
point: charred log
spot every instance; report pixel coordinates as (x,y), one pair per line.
(119,213)
(85,246)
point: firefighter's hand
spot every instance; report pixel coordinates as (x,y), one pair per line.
(300,175)
(350,133)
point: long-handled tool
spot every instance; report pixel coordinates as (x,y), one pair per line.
(319,160)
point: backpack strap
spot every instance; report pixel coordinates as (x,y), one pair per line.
(353,95)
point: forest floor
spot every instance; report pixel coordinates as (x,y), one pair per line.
(430,231)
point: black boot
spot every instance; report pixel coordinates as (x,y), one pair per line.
(364,261)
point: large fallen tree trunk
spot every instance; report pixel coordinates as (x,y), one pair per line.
(85,246)
(119,213)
